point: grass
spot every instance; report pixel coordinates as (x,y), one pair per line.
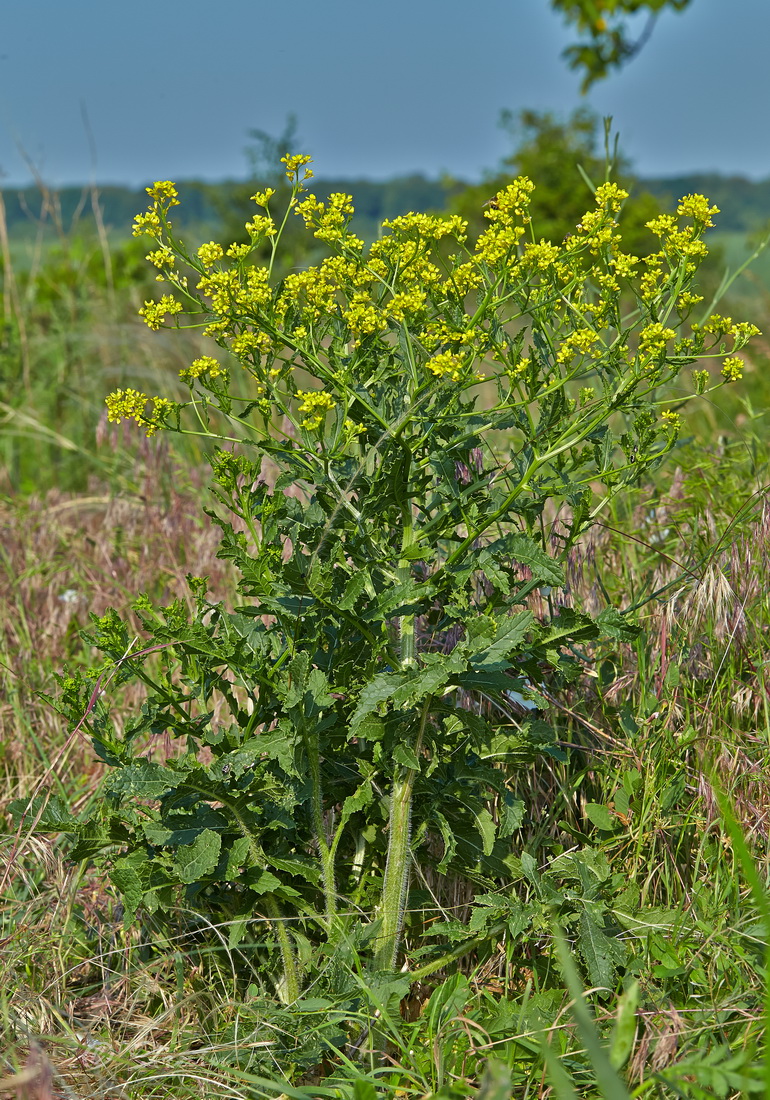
(654,825)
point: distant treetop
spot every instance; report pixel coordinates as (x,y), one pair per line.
(610,33)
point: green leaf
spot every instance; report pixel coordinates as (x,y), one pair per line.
(600,816)
(353,590)
(610,1084)
(616,625)
(55,817)
(372,694)
(237,857)
(145,779)
(197,860)
(545,571)
(602,953)
(624,1031)
(405,755)
(485,824)
(126,878)
(510,633)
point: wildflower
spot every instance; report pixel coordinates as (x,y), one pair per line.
(315,404)
(154,313)
(541,255)
(210,253)
(697,207)
(610,196)
(445,365)
(654,337)
(742,332)
(293,164)
(238,251)
(205,365)
(260,226)
(732,368)
(126,405)
(161,257)
(161,407)
(148,224)
(673,420)
(164,191)
(262,198)
(718,325)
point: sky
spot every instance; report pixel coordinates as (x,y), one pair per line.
(131,92)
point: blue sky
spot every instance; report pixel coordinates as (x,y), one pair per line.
(170,90)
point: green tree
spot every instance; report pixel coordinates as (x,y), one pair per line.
(606,26)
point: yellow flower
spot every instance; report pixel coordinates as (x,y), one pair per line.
(164,191)
(654,337)
(446,365)
(154,313)
(210,253)
(205,365)
(262,198)
(294,162)
(161,257)
(673,420)
(148,224)
(732,368)
(314,404)
(697,207)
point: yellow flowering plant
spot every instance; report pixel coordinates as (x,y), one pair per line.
(443,422)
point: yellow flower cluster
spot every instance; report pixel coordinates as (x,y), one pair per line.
(164,193)
(407,302)
(294,162)
(310,291)
(540,256)
(697,207)
(155,313)
(499,242)
(427,227)
(205,365)
(259,227)
(623,264)
(519,368)
(314,404)
(732,368)
(361,317)
(653,338)
(610,197)
(148,224)
(249,344)
(673,420)
(161,257)
(329,223)
(262,198)
(577,343)
(130,404)
(446,365)
(210,254)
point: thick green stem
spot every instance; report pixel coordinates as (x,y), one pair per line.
(396,882)
(326,853)
(291,976)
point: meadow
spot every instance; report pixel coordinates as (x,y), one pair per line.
(618,945)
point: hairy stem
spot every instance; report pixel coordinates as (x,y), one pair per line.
(290,972)
(396,882)
(326,853)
